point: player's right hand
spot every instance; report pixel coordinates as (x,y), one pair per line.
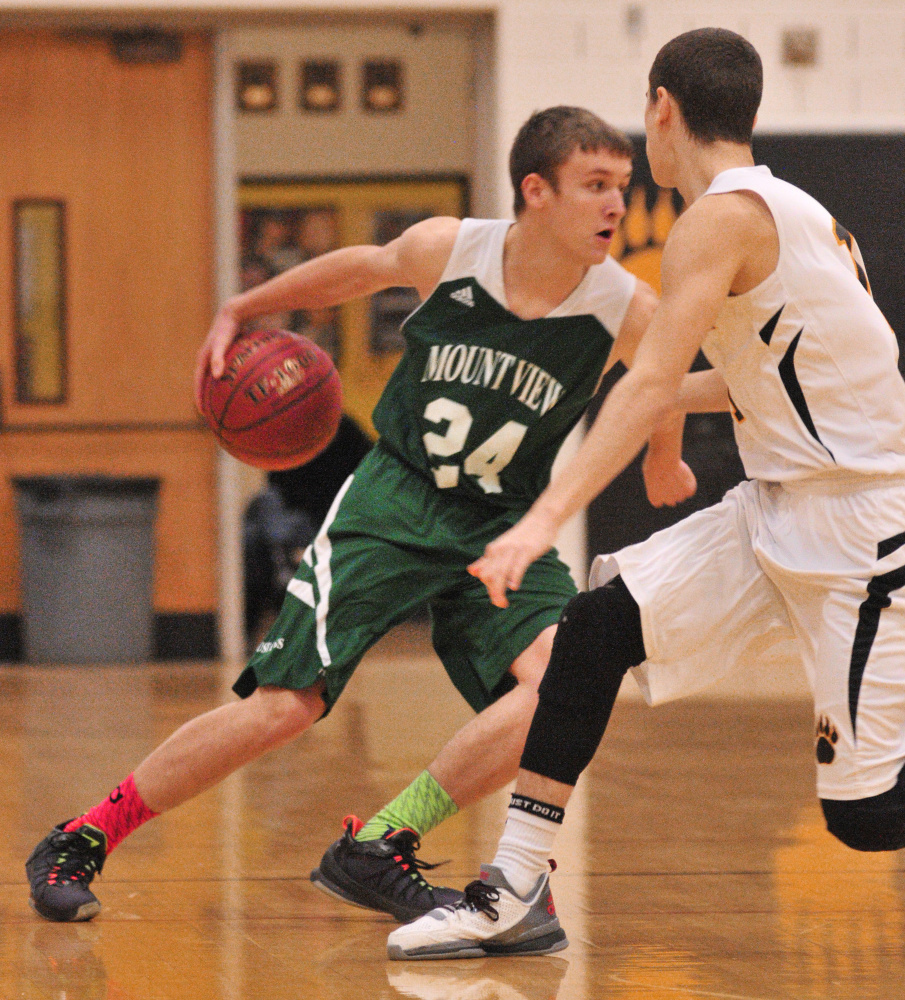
(224,330)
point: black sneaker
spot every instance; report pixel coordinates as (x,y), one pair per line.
(381,874)
(60,870)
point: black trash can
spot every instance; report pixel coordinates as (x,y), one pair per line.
(87,568)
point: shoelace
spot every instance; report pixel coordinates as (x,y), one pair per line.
(406,844)
(479,897)
(70,866)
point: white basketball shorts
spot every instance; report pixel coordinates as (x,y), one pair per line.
(813,571)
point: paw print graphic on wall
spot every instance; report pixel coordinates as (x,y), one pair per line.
(638,243)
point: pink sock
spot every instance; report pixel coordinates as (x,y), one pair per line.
(121,812)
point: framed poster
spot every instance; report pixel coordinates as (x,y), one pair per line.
(40,300)
(274,239)
(284,223)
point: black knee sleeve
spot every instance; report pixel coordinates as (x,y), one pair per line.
(873,824)
(599,637)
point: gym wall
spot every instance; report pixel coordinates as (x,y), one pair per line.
(835,75)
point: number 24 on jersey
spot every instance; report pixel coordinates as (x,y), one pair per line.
(486,462)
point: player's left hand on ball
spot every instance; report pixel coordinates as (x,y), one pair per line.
(506,560)
(224,330)
(668,482)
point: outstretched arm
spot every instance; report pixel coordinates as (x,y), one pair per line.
(701,259)
(667,479)
(416,259)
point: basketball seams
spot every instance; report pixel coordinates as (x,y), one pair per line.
(289,401)
(235,387)
(275,463)
(262,366)
(291,417)
(252,452)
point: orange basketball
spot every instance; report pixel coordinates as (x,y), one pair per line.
(278,403)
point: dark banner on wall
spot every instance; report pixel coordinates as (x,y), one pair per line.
(859,179)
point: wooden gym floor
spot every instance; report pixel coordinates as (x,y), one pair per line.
(693,862)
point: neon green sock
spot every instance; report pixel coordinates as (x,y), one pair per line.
(420,807)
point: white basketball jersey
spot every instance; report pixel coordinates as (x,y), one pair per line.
(809,359)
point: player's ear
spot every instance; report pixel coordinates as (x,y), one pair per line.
(665,106)
(535,190)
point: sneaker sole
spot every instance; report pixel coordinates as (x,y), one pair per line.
(361,898)
(396,953)
(546,945)
(328,888)
(87,911)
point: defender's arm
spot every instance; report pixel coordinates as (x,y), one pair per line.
(667,479)
(702,257)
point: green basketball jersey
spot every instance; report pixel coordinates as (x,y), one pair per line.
(482,401)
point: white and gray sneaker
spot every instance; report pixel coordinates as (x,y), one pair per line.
(492,919)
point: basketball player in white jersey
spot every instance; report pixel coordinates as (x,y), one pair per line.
(807,559)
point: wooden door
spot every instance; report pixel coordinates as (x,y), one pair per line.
(99,379)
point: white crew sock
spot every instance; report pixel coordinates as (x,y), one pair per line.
(524,849)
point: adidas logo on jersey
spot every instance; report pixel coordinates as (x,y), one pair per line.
(463,295)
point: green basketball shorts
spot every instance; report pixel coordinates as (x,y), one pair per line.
(391,542)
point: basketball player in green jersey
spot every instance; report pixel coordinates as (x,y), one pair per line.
(516,325)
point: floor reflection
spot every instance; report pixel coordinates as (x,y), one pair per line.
(55,963)
(841,920)
(693,861)
(538,978)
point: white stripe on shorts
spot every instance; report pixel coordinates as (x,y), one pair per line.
(303,591)
(323,549)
